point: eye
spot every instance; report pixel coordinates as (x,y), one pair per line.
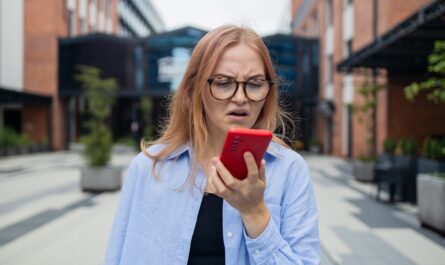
(223,82)
(255,83)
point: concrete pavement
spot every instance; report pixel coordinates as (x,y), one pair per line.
(45,219)
(356,229)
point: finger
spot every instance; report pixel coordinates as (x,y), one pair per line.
(217,183)
(262,173)
(230,181)
(252,168)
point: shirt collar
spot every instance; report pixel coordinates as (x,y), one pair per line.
(178,152)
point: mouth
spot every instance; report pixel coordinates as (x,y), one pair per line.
(238,114)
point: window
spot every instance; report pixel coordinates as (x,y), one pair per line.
(329,13)
(314,24)
(83,26)
(347,48)
(330,70)
(346,3)
(71,23)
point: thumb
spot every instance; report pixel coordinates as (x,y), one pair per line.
(262,173)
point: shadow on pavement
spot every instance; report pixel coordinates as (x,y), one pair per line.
(23,227)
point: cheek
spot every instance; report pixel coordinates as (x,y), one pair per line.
(212,107)
(257,109)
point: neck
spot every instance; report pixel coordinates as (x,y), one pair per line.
(213,148)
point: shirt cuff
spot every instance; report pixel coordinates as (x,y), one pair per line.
(262,247)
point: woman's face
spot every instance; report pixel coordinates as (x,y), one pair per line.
(240,63)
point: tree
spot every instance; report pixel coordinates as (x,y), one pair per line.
(436,84)
(147,110)
(367,91)
(100,95)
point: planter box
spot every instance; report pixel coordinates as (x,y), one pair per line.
(363,171)
(314,149)
(10,151)
(409,164)
(101,178)
(426,165)
(431,201)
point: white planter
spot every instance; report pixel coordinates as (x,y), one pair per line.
(314,149)
(431,201)
(363,171)
(101,178)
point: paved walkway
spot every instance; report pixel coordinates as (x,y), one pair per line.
(356,229)
(45,219)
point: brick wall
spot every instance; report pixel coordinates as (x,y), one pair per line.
(394,11)
(45,21)
(389,14)
(35,122)
(418,119)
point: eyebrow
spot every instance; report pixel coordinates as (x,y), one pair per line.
(232,77)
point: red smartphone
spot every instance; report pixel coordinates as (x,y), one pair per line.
(239,141)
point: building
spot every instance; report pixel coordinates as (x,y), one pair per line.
(30,100)
(295,60)
(149,67)
(152,67)
(400,34)
(138,18)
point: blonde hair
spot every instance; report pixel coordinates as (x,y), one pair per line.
(186,122)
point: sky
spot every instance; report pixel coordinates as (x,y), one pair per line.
(266,17)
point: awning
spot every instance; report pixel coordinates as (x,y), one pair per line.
(406,46)
(12,96)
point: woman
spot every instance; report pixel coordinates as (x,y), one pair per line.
(180,205)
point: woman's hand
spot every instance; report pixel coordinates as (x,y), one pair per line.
(246,195)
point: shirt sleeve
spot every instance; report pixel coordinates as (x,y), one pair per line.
(119,228)
(297,240)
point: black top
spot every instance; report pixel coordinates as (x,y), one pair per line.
(207,245)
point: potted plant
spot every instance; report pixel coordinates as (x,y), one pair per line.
(407,159)
(147,112)
(100,95)
(314,146)
(9,141)
(430,178)
(431,200)
(433,156)
(363,167)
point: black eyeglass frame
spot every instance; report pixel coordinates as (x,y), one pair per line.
(244,83)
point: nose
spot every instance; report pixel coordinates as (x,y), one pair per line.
(240,96)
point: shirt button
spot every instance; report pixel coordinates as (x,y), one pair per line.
(229,234)
(257,252)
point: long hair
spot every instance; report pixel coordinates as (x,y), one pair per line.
(186,122)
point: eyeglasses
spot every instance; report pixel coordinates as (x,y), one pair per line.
(224,88)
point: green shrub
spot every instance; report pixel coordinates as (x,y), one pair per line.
(390,145)
(100,94)
(147,110)
(408,147)
(24,140)
(434,148)
(9,138)
(435,85)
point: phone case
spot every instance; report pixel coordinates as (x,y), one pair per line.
(239,141)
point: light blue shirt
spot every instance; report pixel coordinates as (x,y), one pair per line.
(155,219)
